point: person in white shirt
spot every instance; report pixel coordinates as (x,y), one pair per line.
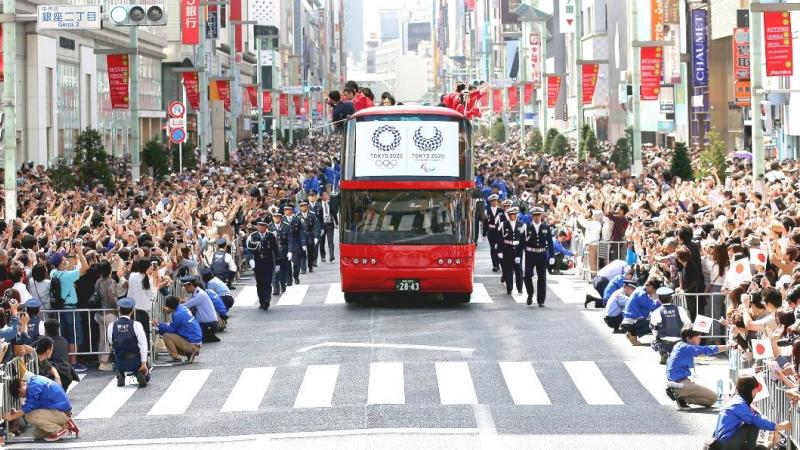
(593,229)
(616,303)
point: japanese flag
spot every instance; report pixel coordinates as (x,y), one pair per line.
(762,348)
(739,271)
(761,391)
(758,257)
(702,324)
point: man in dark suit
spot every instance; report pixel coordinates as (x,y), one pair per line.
(340,110)
(538,241)
(329,220)
(315,206)
(309,239)
(264,246)
(296,242)
(281,230)
(512,244)
(494,214)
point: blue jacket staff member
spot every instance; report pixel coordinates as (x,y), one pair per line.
(182,336)
(559,253)
(617,302)
(200,303)
(129,343)
(604,277)
(679,367)
(46,407)
(738,423)
(635,316)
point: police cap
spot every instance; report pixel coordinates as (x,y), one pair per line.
(631,283)
(493,197)
(537,210)
(33,303)
(507,202)
(664,291)
(126,303)
(304,203)
(188,279)
(221,242)
(513,210)
(277,213)
(288,206)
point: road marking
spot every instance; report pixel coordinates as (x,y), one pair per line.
(248,297)
(316,391)
(479,294)
(394,346)
(568,290)
(386,384)
(524,384)
(180,393)
(249,389)
(519,298)
(108,401)
(294,295)
(335,294)
(591,383)
(653,377)
(455,384)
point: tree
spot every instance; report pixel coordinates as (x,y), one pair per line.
(589,144)
(585,130)
(189,159)
(681,162)
(552,133)
(62,176)
(499,131)
(535,142)
(621,155)
(156,157)
(91,160)
(560,146)
(712,158)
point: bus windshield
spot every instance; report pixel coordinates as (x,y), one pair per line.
(430,217)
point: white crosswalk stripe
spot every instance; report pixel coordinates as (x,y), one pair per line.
(455,384)
(524,384)
(335,294)
(653,378)
(248,297)
(180,393)
(293,296)
(317,388)
(479,294)
(249,389)
(108,401)
(519,298)
(386,384)
(593,386)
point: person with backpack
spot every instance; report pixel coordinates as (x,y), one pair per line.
(64,297)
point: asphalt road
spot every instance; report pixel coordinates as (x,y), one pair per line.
(407,373)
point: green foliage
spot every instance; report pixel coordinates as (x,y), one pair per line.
(681,162)
(589,144)
(499,131)
(712,159)
(535,141)
(552,133)
(560,146)
(91,160)
(189,160)
(156,157)
(62,176)
(621,155)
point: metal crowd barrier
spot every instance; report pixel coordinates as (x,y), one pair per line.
(708,304)
(608,251)
(11,371)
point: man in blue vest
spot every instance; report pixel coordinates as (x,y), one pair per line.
(35,325)
(129,345)
(667,322)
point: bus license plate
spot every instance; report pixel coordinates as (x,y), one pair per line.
(406,285)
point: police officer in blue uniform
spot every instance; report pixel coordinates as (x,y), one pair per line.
(296,239)
(129,344)
(281,230)
(310,235)
(512,244)
(315,207)
(538,241)
(264,246)
(35,326)
(494,214)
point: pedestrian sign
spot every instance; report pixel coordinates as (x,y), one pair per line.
(177,135)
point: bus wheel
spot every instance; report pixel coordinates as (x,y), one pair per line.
(458,298)
(350,297)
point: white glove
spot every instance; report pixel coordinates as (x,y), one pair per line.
(517,260)
(316,241)
(277,268)
(252,263)
(289,255)
(552,261)
(304,249)
(499,255)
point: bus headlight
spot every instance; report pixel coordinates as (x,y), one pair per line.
(363,260)
(355,260)
(449,261)
(441,261)
(373,261)
(458,260)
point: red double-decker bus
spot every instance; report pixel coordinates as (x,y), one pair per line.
(407,213)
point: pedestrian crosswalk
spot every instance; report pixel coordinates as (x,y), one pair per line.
(502,383)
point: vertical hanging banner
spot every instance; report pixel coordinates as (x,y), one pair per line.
(266,103)
(236,14)
(283,105)
(528,93)
(118,76)
(778,43)
(212,23)
(191,82)
(553,88)
(224,90)
(657,20)
(741,53)
(252,96)
(298,105)
(485,99)
(535,51)
(589,81)
(190,22)
(320,108)
(671,11)
(699,41)
(2,75)
(651,58)
(513,98)
(497,101)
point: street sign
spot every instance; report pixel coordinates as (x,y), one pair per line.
(292,90)
(567,16)
(177,135)
(68,17)
(177,122)
(176,109)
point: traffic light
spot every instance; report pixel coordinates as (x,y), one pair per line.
(312,89)
(138,15)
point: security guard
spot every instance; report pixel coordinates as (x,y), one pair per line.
(280,229)
(505,205)
(493,215)
(315,207)
(129,345)
(538,240)
(296,241)
(265,254)
(35,322)
(513,235)
(667,322)
(311,230)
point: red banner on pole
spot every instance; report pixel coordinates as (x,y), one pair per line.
(497,101)
(2,75)
(298,105)
(191,82)
(553,88)
(528,93)
(485,99)
(118,76)
(283,105)
(651,66)
(741,53)
(236,14)
(224,89)
(267,102)
(778,43)
(252,96)
(589,81)
(513,98)
(657,20)
(190,22)
(321,108)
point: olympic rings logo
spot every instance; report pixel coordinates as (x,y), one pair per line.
(378,134)
(428,144)
(385,163)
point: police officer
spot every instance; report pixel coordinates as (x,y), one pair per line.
(667,322)
(310,235)
(281,231)
(129,344)
(35,326)
(264,246)
(222,264)
(315,207)
(296,240)
(513,235)
(493,215)
(538,241)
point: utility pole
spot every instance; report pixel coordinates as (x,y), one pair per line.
(260,102)
(636,82)
(524,60)
(234,85)
(9,110)
(134,102)
(578,75)
(543,84)
(203,80)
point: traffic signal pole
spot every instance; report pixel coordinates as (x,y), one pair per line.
(636,81)
(578,75)
(757,93)
(9,103)
(133,78)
